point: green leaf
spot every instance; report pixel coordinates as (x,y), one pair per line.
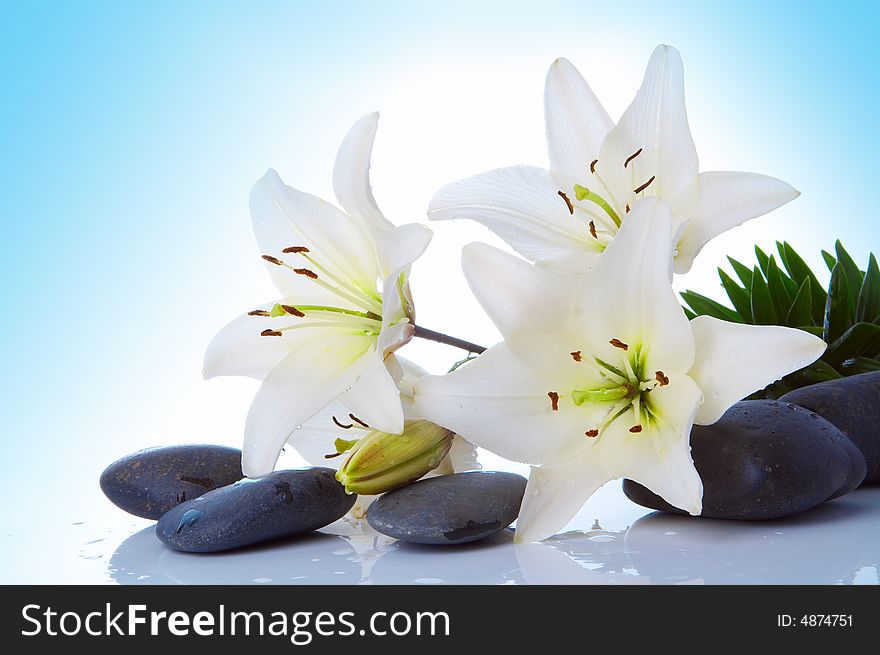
(830,260)
(868,304)
(801,311)
(861,340)
(853,274)
(780,248)
(778,292)
(838,314)
(815,330)
(858,365)
(739,297)
(690,315)
(743,272)
(708,307)
(799,271)
(763,259)
(818,371)
(763,312)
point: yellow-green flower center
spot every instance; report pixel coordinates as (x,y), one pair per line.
(623,388)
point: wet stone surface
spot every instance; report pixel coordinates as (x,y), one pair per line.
(449,509)
(150,482)
(282,504)
(853,405)
(766,459)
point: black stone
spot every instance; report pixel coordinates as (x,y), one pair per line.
(150,482)
(853,405)
(449,509)
(766,459)
(282,504)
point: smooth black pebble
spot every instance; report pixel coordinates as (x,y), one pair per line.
(449,509)
(853,405)
(766,459)
(282,504)
(150,482)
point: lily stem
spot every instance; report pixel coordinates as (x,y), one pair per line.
(439,337)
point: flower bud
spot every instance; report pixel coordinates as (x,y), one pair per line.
(381,462)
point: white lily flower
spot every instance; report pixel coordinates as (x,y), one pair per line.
(601,378)
(566,216)
(345,306)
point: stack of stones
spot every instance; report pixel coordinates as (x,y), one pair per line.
(202,504)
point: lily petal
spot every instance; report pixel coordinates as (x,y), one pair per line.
(659,457)
(628,296)
(522,205)
(374,398)
(295,390)
(555,493)
(351,174)
(734,360)
(575,119)
(284,217)
(655,123)
(518,296)
(728,199)
(399,247)
(238,348)
(501,403)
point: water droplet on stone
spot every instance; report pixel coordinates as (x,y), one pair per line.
(190,517)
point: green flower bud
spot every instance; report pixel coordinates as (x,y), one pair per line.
(381,462)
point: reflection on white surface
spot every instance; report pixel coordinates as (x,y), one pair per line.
(836,543)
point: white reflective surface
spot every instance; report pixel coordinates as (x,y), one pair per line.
(612,542)
(838,543)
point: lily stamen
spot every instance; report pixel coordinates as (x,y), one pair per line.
(576,356)
(293,311)
(617,343)
(644,186)
(554,400)
(631,157)
(568,204)
(636,429)
(259,312)
(271,333)
(340,425)
(308,273)
(592,433)
(357,420)
(352,294)
(593,165)
(305,253)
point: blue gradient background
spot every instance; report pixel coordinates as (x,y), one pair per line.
(130,134)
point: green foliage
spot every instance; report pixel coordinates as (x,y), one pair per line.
(782,290)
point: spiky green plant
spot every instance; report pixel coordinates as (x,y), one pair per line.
(846,315)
